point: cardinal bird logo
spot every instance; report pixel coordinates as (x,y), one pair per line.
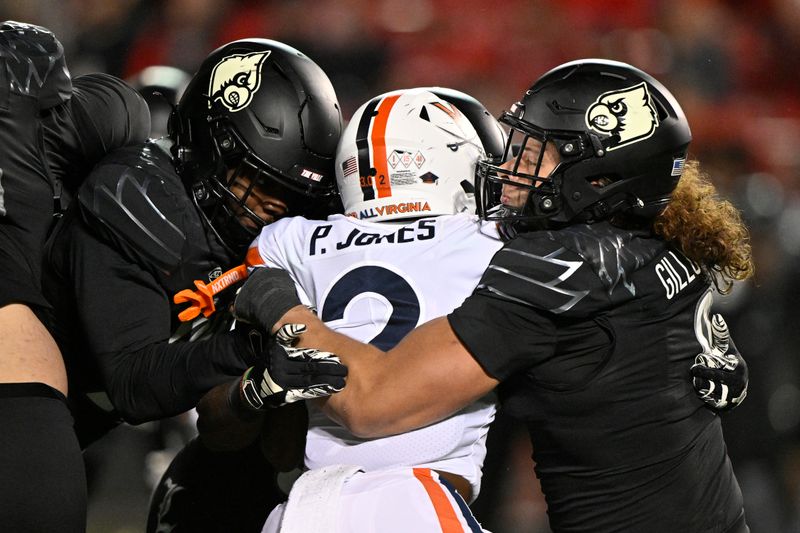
(628,115)
(236,79)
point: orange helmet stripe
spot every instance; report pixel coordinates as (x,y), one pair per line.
(378,141)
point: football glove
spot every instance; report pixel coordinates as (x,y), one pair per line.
(285,375)
(289,333)
(720,377)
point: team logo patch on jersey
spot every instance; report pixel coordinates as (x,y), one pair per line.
(214,273)
(628,115)
(236,79)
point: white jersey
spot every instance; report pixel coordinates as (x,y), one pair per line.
(375,282)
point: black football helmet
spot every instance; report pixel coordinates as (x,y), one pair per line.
(621,138)
(161,87)
(267,111)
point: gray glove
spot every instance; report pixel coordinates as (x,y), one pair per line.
(720,377)
(265,297)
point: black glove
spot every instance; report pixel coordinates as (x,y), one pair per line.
(265,297)
(720,377)
(286,375)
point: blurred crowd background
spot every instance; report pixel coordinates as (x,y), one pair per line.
(733,64)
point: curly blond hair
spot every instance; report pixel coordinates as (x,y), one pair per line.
(707,229)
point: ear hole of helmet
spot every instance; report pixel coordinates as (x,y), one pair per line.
(600,182)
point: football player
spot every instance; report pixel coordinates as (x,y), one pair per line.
(252,139)
(586,318)
(405,167)
(50,137)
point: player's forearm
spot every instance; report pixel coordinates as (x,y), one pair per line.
(223,423)
(226,423)
(359,405)
(164,379)
(424,379)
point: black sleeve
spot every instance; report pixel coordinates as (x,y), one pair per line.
(126,319)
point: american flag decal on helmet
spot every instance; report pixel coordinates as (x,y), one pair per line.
(350,166)
(677,166)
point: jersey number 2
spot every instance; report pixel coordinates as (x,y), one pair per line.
(387,283)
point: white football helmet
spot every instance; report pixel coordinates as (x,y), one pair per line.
(407,154)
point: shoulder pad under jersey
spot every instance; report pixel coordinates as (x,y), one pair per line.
(32,64)
(576,271)
(124,112)
(135,199)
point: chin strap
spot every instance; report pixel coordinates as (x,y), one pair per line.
(605,208)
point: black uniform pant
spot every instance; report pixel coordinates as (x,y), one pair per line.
(214,492)
(42,477)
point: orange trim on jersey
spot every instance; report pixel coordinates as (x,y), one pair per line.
(448,519)
(253,258)
(378,141)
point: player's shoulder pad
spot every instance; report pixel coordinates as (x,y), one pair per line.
(287,237)
(135,199)
(613,254)
(287,228)
(32,64)
(575,271)
(108,113)
(535,270)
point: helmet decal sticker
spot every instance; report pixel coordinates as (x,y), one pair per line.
(403,208)
(311,175)
(405,158)
(677,166)
(350,166)
(449,109)
(459,124)
(401,141)
(235,80)
(627,114)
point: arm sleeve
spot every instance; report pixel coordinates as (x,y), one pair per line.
(126,319)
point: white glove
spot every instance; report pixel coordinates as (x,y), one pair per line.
(720,377)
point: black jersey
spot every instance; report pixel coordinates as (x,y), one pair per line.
(131,241)
(592,331)
(52,130)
